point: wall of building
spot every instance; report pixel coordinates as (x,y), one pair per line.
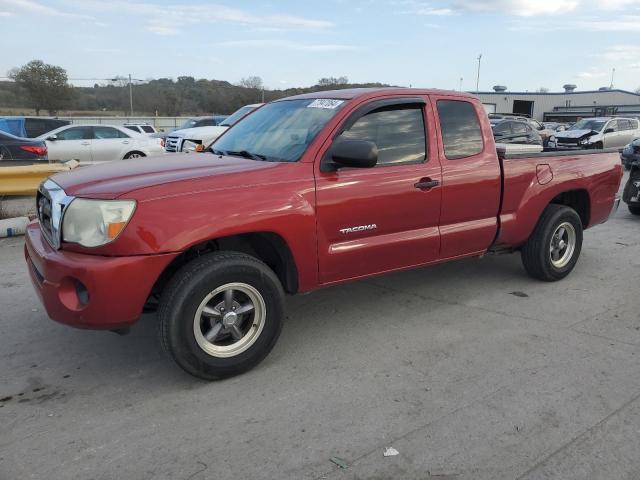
(545,102)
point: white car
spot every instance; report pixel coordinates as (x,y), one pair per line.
(178,139)
(598,132)
(98,144)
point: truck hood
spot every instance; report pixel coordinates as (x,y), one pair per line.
(198,133)
(575,133)
(114,179)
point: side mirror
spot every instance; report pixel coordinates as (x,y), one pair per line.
(354,153)
(609,130)
(53,138)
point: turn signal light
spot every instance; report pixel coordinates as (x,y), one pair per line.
(114,229)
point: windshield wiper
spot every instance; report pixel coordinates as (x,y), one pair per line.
(246,154)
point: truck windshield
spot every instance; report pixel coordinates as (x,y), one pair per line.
(279,131)
(595,125)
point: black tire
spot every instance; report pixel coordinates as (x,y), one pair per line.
(536,256)
(134,155)
(187,290)
(634,209)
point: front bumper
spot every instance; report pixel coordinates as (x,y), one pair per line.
(90,291)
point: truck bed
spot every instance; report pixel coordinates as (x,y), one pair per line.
(589,179)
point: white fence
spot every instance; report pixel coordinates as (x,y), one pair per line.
(161,123)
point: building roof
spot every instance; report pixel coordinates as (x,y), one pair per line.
(616,90)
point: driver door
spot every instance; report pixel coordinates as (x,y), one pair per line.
(611,139)
(73,143)
(378,219)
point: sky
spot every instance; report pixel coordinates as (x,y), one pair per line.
(525,44)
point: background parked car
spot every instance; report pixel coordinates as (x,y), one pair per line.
(142,128)
(192,137)
(597,132)
(515,132)
(555,126)
(98,143)
(210,121)
(631,153)
(15,150)
(30,127)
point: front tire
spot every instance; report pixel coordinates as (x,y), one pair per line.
(552,250)
(634,209)
(221,314)
(134,155)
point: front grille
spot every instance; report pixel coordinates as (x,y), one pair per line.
(172,144)
(51,201)
(43,203)
(568,141)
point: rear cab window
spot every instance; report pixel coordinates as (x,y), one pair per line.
(460,128)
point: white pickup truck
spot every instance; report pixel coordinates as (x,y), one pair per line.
(188,139)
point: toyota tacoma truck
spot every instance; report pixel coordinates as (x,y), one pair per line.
(309,191)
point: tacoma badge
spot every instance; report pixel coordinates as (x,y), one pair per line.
(361,228)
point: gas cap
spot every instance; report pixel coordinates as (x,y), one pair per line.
(544,173)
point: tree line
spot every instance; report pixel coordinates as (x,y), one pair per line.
(46,88)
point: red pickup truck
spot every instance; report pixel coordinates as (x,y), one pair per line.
(305,192)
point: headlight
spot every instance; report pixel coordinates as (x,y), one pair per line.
(92,223)
(584,141)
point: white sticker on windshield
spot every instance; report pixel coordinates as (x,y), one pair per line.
(325,103)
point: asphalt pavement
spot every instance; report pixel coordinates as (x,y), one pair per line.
(470,370)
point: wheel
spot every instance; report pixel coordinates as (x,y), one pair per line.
(553,248)
(221,314)
(634,209)
(134,155)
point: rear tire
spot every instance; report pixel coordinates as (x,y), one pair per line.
(552,250)
(212,333)
(634,209)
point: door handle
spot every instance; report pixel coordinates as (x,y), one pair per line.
(85,143)
(426,184)
(125,141)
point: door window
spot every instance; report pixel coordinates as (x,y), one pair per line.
(147,128)
(398,132)
(74,133)
(461,134)
(613,125)
(133,128)
(519,127)
(503,128)
(624,125)
(103,133)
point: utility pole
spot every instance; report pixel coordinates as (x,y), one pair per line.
(130,96)
(461,83)
(613,72)
(263,94)
(478,78)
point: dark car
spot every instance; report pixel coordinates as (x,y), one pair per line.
(16,150)
(515,131)
(210,121)
(30,127)
(631,153)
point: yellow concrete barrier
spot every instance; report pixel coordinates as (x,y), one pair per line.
(24,180)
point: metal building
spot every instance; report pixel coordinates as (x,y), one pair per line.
(565,106)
